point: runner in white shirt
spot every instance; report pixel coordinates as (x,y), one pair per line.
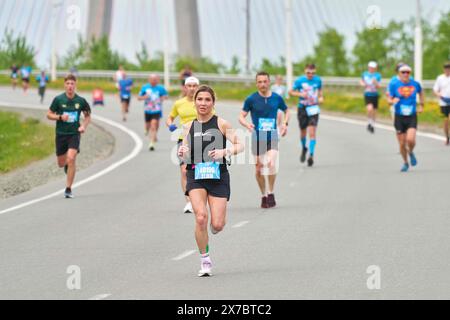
(442,91)
(119,75)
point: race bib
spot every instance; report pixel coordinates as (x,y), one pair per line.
(266,124)
(207,171)
(125,96)
(312,110)
(73,116)
(406,110)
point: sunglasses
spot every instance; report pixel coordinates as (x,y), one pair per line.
(310,72)
(406,72)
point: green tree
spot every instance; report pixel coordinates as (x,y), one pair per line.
(329,54)
(76,55)
(370,46)
(95,54)
(15,50)
(234,68)
(203,65)
(145,63)
(437,52)
(273,68)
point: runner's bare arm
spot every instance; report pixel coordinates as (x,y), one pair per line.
(56,117)
(320,96)
(86,121)
(421,102)
(244,122)
(184,149)
(231,136)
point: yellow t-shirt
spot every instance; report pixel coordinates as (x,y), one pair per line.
(184,109)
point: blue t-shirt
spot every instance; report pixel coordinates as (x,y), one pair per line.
(25,72)
(125,88)
(312,87)
(392,82)
(42,80)
(153,105)
(264,112)
(407,93)
(371,88)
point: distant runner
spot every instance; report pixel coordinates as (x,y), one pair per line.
(125,86)
(153,94)
(42,80)
(14,76)
(371,81)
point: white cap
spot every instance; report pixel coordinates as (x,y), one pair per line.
(373,64)
(192,80)
(405,67)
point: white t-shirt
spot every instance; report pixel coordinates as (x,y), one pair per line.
(442,86)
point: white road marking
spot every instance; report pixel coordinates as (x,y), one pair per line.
(241,224)
(137,148)
(184,255)
(100,296)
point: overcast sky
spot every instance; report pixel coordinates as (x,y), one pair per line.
(222,24)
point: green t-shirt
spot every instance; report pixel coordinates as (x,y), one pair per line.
(72,107)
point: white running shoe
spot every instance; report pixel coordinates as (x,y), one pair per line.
(205,268)
(188,208)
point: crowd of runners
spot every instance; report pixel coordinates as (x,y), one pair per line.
(202,149)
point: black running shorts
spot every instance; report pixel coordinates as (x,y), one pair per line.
(216,188)
(306,121)
(150,117)
(66,142)
(403,123)
(445,111)
(373,100)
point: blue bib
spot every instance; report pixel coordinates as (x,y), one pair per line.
(207,171)
(73,116)
(406,110)
(266,124)
(312,110)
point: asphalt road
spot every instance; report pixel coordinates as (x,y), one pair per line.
(126,232)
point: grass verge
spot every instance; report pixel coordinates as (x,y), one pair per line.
(23,141)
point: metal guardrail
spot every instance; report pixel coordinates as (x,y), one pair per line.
(214,78)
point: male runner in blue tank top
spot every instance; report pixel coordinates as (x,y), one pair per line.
(263,106)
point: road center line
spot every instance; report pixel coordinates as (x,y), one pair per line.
(184,255)
(240,224)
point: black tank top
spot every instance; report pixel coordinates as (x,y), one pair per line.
(205,137)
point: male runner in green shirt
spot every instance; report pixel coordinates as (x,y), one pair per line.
(66,110)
